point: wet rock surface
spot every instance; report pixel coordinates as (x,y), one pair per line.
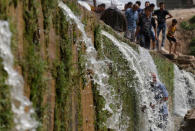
(189,121)
(184,62)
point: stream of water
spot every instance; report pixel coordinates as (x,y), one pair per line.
(142,63)
(184,91)
(99,68)
(21,106)
(139,60)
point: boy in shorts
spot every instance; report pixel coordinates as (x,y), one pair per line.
(171,36)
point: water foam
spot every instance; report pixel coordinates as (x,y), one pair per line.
(184,91)
(99,68)
(21,106)
(143,64)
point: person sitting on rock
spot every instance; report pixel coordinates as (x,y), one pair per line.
(171,36)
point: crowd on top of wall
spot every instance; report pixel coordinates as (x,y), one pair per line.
(142,26)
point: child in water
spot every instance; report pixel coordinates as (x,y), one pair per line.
(171,37)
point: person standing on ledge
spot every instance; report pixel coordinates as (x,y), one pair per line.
(132,18)
(145,24)
(171,37)
(161,18)
(139,6)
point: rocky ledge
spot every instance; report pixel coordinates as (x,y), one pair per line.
(185,62)
(189,121)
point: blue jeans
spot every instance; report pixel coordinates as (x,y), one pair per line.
(130,34)
(161,27)
(153,35)
(145,41)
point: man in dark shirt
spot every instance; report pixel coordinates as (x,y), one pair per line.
(145,23)
(161,18)
(139,9)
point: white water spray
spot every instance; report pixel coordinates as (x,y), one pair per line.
(85,5)
(99,68)
(21,106)
(143,65)
(184,90)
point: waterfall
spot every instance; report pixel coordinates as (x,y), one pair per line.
(21,106)
(85,5)
(143,64)
(100,77)
(184,91)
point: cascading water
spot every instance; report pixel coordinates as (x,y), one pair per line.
(184,91)
(99,68)
(21,106)
(143,65)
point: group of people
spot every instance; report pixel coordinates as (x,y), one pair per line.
(145,25)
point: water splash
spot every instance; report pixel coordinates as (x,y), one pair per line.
(85,5)
(21,106)
(143,64)
(184,91)
(99,68)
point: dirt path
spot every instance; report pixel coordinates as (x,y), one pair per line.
(182,14)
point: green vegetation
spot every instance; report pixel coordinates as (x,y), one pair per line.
(188,25)
(119,81)
(34,68)
(6,115)
(119,37)
(72,4)
(192,20)
(123,81)
(97,41)
(166,71)
(67,74)
(63,88)
(101,115)
(3,9)
(99,102)
(33,65)
(69,71)
(192,47)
